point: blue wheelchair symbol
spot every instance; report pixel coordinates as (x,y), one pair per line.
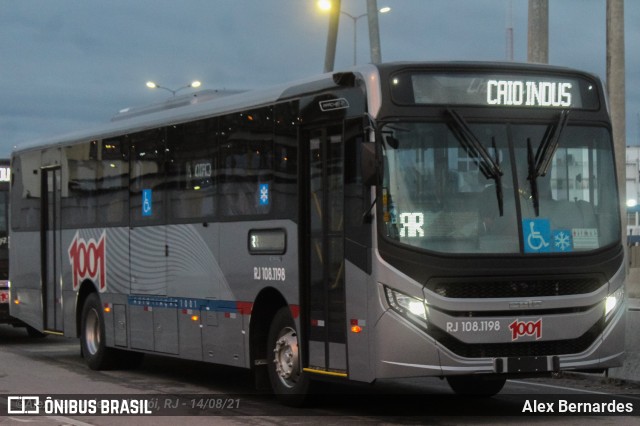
(147,200)
(537,235)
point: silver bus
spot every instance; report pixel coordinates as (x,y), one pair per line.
(457,220)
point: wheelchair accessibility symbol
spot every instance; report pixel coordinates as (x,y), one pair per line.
(147,206)
(537,235)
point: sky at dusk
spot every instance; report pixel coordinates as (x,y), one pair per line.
(68,65)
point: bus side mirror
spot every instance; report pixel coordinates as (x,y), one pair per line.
(368,163)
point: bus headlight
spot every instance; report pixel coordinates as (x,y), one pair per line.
(407,306)
(613,301)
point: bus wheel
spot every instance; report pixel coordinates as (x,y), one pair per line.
(92,336)
(287,379)
(476,385)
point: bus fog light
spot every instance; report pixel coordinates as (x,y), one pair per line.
(406,305)
(613,300)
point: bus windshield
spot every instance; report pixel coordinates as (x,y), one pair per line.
(459,187)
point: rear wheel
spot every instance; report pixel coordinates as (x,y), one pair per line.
(288,381)
(476,385)
(92,336)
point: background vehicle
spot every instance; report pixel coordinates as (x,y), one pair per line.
(5,174)
(5,317)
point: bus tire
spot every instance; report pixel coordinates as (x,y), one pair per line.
(92,336)
(476,385)
(288,381)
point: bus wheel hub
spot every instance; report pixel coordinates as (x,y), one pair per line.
(286,355)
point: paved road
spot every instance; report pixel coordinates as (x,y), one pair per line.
(53,366)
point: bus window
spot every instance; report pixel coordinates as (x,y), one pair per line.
(79,201)
(285,185)
(246,158)
(191,167)
(113,182)
(147,177)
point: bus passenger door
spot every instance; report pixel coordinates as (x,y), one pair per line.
(50,249)
(325,251)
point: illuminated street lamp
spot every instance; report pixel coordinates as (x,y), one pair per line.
(194,84)
(324,5)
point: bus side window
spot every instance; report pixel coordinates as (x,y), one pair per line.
(246,163)
(285,158)
(147,177)
(191,170)
(113,182)
(79,202)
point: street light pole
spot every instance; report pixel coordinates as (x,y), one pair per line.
(374,30)
(538,32)
(355,32)
(332,35)
(333,7)
(152,85)
(616,89)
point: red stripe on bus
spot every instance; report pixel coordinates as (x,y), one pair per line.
(244,308)
(295,310)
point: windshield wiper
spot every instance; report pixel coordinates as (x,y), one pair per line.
(489,167)
(539,165)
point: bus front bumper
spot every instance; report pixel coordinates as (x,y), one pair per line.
(405,349)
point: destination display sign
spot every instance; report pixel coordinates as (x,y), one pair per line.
(506,90)
(529,93)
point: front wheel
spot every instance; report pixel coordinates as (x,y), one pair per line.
(288,381)
(476,385)
(92,336)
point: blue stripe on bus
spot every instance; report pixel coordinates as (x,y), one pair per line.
(184,303)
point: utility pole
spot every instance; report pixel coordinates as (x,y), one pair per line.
(616,88)
(538,34)
(374,31)
(332,37)
(509,35)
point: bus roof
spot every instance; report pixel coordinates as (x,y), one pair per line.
(215,105)
(190,111)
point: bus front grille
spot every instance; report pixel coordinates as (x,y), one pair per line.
(513,287)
